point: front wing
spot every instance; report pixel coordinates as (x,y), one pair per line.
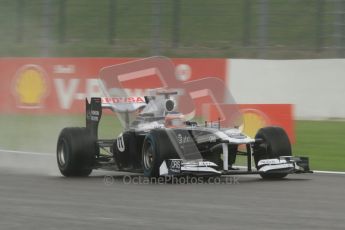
(285,164)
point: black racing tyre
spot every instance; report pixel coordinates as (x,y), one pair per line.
(275,143)
(157,147)
(75,152)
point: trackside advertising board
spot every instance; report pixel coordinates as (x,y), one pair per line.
(60,85)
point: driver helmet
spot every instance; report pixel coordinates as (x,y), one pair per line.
(175,120)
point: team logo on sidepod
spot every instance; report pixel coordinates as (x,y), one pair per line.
(30,86)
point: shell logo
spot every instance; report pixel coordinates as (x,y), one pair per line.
(253,120)
(30,86)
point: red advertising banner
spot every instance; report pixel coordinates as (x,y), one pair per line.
(60,85)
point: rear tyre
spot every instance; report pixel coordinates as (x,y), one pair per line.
(275,143)
(75,152)
(156,148)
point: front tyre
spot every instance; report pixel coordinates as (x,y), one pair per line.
(150,157)
(75,152)
(156,148)
(275,143)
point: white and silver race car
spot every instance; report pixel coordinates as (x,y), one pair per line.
(161,142)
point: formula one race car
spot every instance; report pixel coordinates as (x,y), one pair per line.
(159,141)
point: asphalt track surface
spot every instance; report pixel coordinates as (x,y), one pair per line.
(33,195)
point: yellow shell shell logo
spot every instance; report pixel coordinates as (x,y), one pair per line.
(30,86)
(253,120)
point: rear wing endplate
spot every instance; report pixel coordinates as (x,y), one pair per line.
(116,104)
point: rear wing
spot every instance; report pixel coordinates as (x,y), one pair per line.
(116,104)
(123,104)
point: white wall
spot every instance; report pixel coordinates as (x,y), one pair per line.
(316,87)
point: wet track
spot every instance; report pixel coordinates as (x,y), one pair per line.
(33,195)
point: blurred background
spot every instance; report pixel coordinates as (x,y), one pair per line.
(301,85)
(270,29)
